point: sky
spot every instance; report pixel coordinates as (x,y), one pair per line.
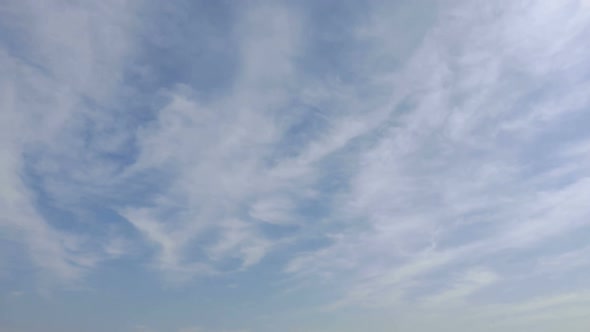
(297,166)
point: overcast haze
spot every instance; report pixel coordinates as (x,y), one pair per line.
(297,166)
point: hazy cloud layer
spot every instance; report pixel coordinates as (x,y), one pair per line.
(306,166)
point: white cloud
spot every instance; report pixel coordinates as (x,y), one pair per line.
(62,59)
(273,210)
(461,174)
(216,155)
(564,262)
(471,282)
(447,152)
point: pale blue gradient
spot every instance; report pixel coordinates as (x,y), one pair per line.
(205,166)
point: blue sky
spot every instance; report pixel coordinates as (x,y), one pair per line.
(201,166)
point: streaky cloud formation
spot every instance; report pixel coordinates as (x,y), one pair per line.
(301,166)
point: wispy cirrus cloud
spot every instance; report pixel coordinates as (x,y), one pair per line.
(53,69)
(424,159)
(458,179)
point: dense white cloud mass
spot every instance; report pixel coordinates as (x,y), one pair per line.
(302,166)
